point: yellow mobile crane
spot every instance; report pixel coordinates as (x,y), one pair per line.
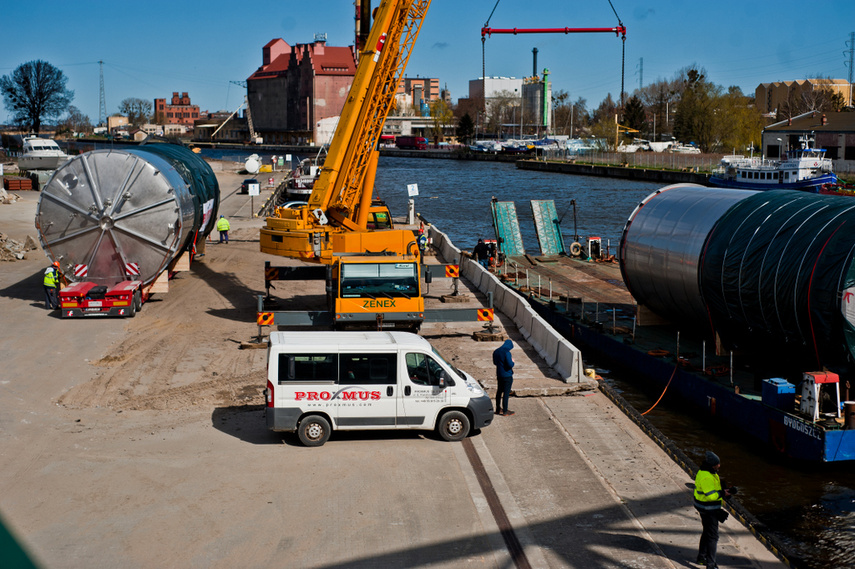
(373,277)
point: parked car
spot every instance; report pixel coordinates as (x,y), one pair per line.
(244,187)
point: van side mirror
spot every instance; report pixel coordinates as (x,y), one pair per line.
(444,380)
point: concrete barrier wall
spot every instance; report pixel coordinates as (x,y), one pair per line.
(560,354)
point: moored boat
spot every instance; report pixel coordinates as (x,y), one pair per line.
(41,154)
(303,179)
(805,169)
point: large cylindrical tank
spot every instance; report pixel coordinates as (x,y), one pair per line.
(767,271)
(778,270)
(113,215)
(661,246)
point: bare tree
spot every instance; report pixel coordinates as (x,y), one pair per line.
(660,99)
(138,111)
(76,121)
(817,96)
(35,91)
(500,110)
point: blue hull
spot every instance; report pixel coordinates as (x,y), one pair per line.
(811,185)
(786,433)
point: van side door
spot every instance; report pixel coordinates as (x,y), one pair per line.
(423,396)
(368,390)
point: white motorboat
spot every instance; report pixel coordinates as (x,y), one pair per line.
(41,154)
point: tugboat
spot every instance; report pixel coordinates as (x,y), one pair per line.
(806,169)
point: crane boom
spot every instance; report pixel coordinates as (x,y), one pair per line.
(341,197)
(339,188)
(374,274)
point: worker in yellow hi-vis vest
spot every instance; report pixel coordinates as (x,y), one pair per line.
(51,284)
(223,227)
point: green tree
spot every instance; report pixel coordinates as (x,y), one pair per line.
(441,117)
(35,91)
(696,119)
(740,124)
(605,112)
(138,111)
(634,114)
(465,129)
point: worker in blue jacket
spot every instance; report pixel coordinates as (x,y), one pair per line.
(504,363)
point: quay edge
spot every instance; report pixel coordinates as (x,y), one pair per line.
(640,174)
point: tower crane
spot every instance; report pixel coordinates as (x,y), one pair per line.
(253,136)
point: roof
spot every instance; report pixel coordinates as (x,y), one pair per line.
(835,122)
(325,60)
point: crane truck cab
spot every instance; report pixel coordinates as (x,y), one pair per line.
(377,291)
(318,382)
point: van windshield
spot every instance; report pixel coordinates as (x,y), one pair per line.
(438,356)
(390,280)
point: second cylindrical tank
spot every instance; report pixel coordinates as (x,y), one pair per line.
(113,215)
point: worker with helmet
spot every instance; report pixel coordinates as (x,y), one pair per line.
(51,284)
(223,227)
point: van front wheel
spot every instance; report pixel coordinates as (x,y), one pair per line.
(453,426)
(314,431)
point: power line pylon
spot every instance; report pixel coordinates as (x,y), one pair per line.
(102,112)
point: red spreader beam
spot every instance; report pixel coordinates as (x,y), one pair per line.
(618,30)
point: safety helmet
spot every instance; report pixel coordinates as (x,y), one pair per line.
(56,263)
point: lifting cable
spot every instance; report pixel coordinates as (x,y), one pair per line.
(483,41)
(622,53)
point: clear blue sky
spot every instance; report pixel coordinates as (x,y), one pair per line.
(153,48)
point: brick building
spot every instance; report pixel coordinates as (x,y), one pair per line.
(417,93)
(178,111)
(297,87)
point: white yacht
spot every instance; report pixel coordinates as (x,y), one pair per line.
(41,154)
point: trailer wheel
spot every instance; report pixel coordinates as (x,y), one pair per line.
(137,301)
(132,309)
(453,426)
(314,431)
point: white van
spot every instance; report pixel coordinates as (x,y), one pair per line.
(320,381)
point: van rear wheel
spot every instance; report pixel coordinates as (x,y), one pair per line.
(314,431)
(453,426)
